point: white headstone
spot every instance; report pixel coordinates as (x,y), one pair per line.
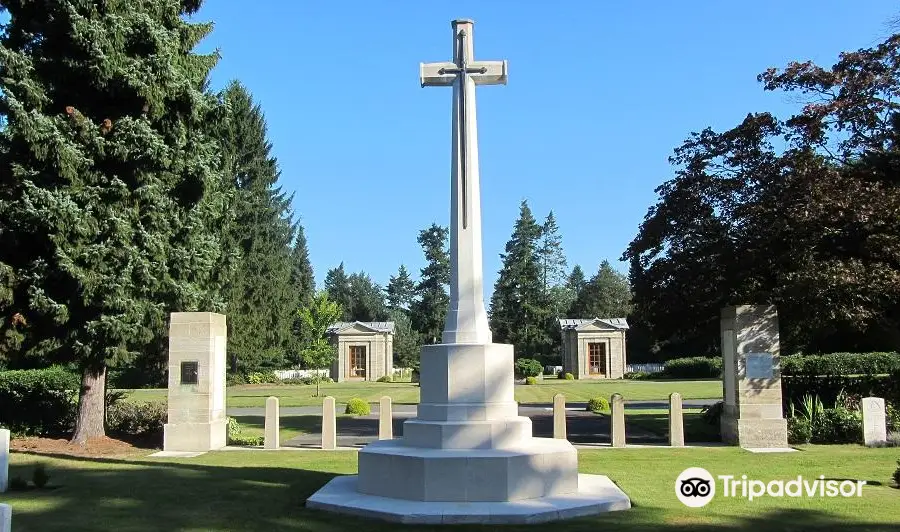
(272,423)
(874,420)
(4,460)
(5,518)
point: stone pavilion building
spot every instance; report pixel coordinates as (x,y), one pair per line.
(594,348)
(365,350)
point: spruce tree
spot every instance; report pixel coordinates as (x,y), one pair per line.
(302,279)
(606,295)
(432,300)
(401,290)
(576,280)
(261,301)
(110,190)
(519,310)
(551,255)
(337,285)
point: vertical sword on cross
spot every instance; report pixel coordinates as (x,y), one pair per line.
(458,74)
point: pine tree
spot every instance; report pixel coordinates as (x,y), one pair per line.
(401,290)
(337,285)
(261,300)
(551,255)
(111,194)
(302,278)
(407,344)
(605,295)
(432,301)
(366,299)
(519,312)
(576,280)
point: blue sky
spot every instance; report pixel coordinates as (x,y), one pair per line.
(599,95)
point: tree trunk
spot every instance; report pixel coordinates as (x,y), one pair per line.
(91,404)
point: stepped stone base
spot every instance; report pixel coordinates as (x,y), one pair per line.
(596,494)
(535,467)
(195,437)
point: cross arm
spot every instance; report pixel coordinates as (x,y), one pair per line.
(434,75)
(492,72)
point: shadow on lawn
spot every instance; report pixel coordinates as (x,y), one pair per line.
(108,494)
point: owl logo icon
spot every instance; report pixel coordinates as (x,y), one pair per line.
(695,487)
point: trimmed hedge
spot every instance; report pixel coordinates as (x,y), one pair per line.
(841,364)
(358,407)
(38,401)
(826,376)
(691,368)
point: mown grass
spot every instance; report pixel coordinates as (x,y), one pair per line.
(265,491)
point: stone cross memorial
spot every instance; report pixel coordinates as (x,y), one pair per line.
(752,416)
(468,456)
(874,420)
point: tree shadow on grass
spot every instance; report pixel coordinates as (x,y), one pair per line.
(262,491)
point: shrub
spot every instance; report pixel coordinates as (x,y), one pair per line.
(837,425)
(799,430)
(896,476)
(136,419)
(529,367)
(38,401)
(262,377)
(386,378)
(235,436)
(358,407)
(636,375)
(892,413)
(598,405)
(570,377)
(40,477)
(530,380)
(692,368)
(712,414)
(854,374)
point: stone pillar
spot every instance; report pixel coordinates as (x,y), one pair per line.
(5,518)
(4,460)
(385,419)
(559,416)
(617,423)
(196,414)
(752,417)
(273,423)
(676,421)
(329,424)
(874,420)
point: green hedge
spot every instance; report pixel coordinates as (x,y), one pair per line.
(691,368)
(38,401)
(841,364)
(529,367)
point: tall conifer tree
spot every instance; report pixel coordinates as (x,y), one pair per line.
(110,188)
(432,300)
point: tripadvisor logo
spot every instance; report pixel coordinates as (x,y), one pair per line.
(695,487)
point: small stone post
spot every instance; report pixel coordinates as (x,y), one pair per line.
(4,460)
(5,518)
(617,425)
(559,416)
(385,419)
(273,424)
(874,420)
(329,424)
(676,421)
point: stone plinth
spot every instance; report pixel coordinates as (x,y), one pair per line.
(273,424)
(329,424)
(559,416)
(676,420)
(617,421)
(752,417)
(196,400)
(385,419)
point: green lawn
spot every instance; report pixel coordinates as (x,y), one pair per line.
(656,420)
(575,391)
(265,491)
